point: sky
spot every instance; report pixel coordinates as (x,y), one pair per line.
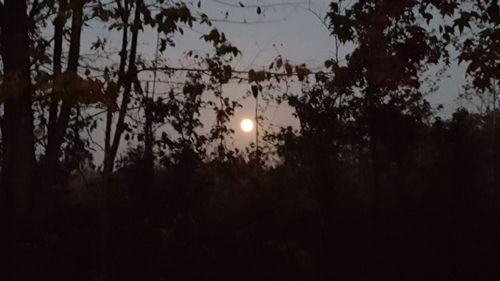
(292,29)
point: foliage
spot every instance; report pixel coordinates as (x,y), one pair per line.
(371,185)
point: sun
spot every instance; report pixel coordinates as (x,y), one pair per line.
(246,125)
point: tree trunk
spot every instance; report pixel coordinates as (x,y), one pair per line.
(50,162)
(148,135)
(111,144)
(127,88)
(59,124)
(18,163)
(52,153)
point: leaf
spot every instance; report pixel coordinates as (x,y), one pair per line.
(473,66)
(302,72)
(255,91)
(331,64)
(446,37)
(334,7)
(213,36)
(288,69)
(227,49)
(279,63)
(163,45)
(493,12)
(427,17)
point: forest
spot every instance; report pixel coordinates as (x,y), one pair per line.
(118,159)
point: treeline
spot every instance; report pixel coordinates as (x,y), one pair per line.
(434,216)
(312,218)
(371,186)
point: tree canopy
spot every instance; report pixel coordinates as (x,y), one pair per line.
(117,160)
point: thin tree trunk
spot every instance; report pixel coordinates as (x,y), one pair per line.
(148,137)
(59,23)
(59,124)
(108,165)
(127,81)
(148,129)
(50,163)
(111,144)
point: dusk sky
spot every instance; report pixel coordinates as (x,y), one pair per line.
(292,29)
(215,140)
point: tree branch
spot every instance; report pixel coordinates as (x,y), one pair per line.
(206,70)
(35,8)
(1,14)
(263,6)
(244,21)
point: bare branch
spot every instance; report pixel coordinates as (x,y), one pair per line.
(89,133)
(206,70)
(244,21)
(263,6)
(1,14)
(35,8)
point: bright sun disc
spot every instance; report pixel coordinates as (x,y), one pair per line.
(246,125)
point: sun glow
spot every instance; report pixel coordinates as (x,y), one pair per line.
(246,125)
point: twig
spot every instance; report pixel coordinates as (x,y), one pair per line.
(263,6)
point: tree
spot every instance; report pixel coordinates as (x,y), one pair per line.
(392,51)
(18,162)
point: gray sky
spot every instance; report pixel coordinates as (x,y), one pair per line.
(293,31)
